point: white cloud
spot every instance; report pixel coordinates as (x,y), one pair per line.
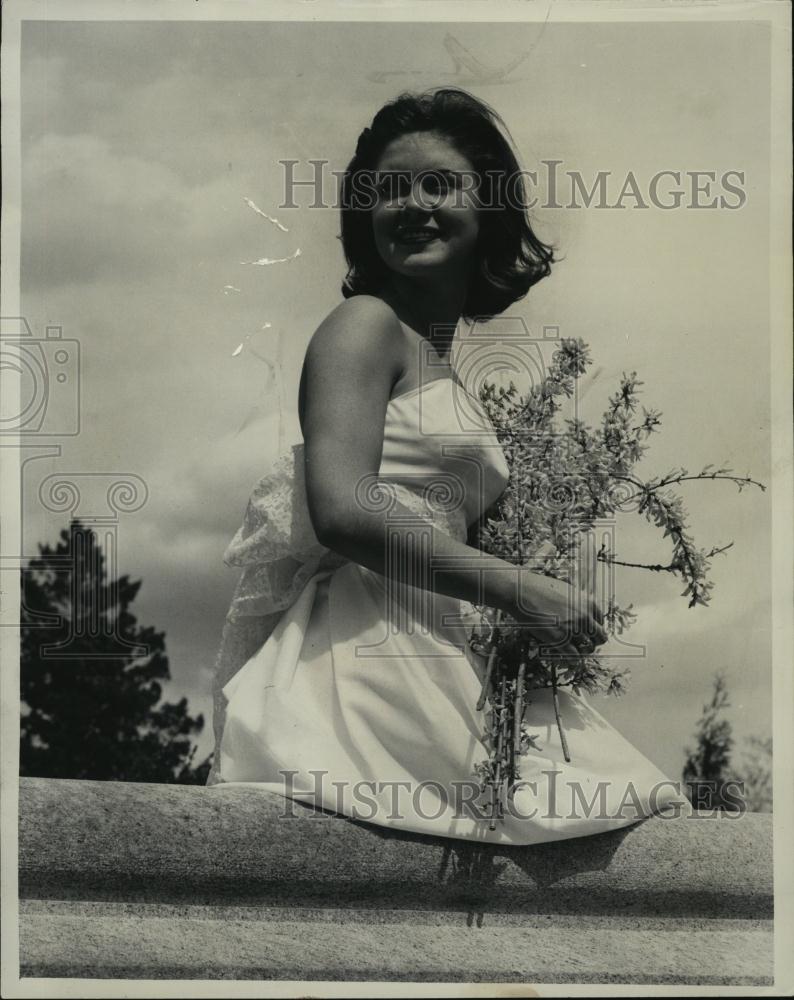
(90,212)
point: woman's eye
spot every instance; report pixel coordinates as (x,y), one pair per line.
(393,185)
(436,185)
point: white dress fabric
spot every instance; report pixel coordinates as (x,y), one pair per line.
(339,688)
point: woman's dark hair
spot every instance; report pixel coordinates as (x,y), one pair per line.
(511,258)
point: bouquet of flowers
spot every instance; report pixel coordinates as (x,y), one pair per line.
(565,478)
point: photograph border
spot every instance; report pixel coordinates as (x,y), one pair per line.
(778,15)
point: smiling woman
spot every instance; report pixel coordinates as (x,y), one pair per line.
(423,233)
(359,690)
(441,160)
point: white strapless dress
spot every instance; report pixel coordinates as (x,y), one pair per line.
(336,687)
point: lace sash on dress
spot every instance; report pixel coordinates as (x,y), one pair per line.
(279,552)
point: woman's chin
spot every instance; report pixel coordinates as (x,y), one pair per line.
(420,252)
(418,263)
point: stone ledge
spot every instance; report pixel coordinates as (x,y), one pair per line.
(164,881)
(105,840)
(140,943)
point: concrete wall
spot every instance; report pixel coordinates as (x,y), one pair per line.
(168,882)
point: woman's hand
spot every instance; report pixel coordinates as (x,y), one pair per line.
(556,614)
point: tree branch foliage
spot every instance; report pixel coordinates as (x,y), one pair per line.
(565,476)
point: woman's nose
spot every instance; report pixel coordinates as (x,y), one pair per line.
(417,200)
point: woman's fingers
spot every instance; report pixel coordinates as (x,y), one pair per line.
(562,641)
(586,631)
(561,613)
(599,634)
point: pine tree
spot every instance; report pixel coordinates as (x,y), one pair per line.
(755,770)
(91,676)
(707,767)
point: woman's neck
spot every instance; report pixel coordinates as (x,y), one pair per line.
(432,311)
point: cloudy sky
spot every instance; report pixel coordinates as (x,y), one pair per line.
(141,142)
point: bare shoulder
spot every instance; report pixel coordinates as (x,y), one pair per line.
(362,327)
(354,358)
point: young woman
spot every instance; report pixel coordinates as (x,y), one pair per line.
(345,676)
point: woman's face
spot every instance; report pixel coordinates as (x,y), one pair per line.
(425,222)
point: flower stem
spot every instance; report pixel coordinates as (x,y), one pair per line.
(556,701)
(489,667)
(519,708)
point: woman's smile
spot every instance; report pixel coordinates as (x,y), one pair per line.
(416,236)
(425,226)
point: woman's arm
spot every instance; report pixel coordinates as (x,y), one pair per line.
(352,362)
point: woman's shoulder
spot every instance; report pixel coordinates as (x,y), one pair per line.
(359,309)
(360,323)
